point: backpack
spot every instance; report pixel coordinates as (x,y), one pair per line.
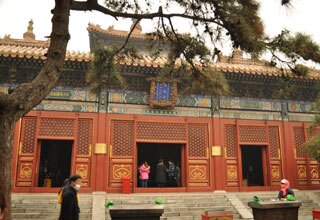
(60,196)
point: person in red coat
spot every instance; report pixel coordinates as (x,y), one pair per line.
(144,171)
(285,190)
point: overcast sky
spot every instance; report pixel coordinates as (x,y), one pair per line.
(304,16)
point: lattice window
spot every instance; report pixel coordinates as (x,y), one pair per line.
(84,137)
(253,134)
(158,131)
(122,140)
(28,134)
(298,141)
(231,141)
(56,127)
(313,132)
(274,141)
(197,140)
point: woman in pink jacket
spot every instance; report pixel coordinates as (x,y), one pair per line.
(144,171)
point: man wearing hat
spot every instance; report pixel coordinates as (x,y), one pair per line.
(285,190)
(69,206)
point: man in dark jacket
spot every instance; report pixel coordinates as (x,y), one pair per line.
(161,172)
(69,207)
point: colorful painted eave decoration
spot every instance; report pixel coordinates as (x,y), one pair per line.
(163,94)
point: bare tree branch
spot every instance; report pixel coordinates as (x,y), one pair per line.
(94,5)
(128,37)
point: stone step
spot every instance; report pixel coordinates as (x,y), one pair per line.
(177,206)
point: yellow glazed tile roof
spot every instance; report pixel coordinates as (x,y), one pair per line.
(36,49)
(18,48)
(136,33)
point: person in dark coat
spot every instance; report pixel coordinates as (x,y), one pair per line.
(171,174)
(285,190)
(161,172)
(70,205)
(178,174)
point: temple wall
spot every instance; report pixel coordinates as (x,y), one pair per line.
(106,129)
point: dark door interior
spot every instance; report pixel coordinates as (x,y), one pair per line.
(252,165)
(55,162)
(152,152)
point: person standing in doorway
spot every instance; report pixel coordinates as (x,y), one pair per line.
(171,174)
(70,205)
(144,171)
(178,174)
(161,172)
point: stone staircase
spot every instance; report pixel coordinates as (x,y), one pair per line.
(310,200)
(44,206)
(179,206)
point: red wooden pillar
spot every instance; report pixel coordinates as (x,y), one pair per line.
(288,157)
(100,171)
(218,161)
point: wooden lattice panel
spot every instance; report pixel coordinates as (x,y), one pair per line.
(231,140)
(197,140)
(313,132)
(56,127)
(161,131)
(83,169)
(84,137)
(276,173)
(274,141)
(198,172)
(253,134)
(121,170)
(122,138)
(28,135)
(298,133)
(232,172)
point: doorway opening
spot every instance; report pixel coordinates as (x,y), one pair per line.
(152,153)
(252,165)
(55,162)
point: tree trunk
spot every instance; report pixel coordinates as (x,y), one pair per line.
(28,95)
(6,141)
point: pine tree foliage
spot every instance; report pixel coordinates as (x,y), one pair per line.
(217,20)
(291,48)
(313,144)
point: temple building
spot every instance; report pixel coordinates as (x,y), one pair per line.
(248,140)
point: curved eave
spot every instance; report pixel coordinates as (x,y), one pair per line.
(260,70)
(115,33)
(40,53)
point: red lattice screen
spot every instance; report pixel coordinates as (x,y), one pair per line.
(161,131)
(197,140)
(122,138)
(253,134)
(313,132)
(84,137)
(298,141)
(231,140)
(274,141)
(56,127)
(28,134)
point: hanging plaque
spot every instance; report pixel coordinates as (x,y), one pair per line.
(163,94)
